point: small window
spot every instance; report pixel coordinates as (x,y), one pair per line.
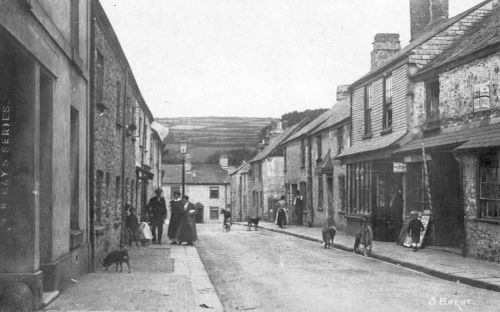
(214,192)
(214,213)
(387,109)
(368,109)
(302,153)
(320,193)
(432,101)
(319,145)
(482,97)
(489,187)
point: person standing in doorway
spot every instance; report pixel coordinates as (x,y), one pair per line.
(281,212)
(187,227)
(414,228)
(298,203)
(175,217)
(157,209)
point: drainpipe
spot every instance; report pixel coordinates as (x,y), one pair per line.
(309,183)
(91,138)
(461,199)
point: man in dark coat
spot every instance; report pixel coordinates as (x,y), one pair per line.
(157,209)
(175,217)
(298,203)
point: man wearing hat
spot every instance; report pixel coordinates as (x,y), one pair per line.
(414,228)
(157,209)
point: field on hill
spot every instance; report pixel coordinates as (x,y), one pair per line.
(209,135)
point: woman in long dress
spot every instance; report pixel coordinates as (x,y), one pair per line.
(187,227)
(281,212)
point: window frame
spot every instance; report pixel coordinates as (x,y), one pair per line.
(368,109)
(494,164)
(100,63)
(388,95)
(321,193)
(212,189)
(302,153)
(211,211)
(340,140)
(431,101)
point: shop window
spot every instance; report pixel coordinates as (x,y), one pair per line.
(368,109)
(214,213)
(489,186)
(214,192)
(359,188)
(432,103)
(387,109)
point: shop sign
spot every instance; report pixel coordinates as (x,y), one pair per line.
(4,160)
(398,167)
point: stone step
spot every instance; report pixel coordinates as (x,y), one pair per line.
(49,296)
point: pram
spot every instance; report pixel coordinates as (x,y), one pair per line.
(226,225)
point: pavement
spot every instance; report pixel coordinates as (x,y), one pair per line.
(163,278)
(439,263)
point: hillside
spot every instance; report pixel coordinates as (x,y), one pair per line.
(208,135)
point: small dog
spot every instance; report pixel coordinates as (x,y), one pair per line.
(328,236)
(118,257)
(254,222)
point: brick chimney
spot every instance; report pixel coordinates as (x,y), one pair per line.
(426,12)
(384,46)
(224,161)
(342,92)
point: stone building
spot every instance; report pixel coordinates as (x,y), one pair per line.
(207,185)
(44,61)
(455,118)
(268,177)
(382,120)
(328,182)
(115,97)
(239,192)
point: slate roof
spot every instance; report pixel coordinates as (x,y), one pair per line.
(199,174)
(269,149)
(469,136)
(313,125)
(425,35)
(484,34)
(372,145)
(340,112)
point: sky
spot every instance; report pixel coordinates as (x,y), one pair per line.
(252,58)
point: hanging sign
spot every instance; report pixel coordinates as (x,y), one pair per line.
(398,167)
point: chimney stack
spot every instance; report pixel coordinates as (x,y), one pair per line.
(426,12)
(224,161)
(342,92)
(384,46)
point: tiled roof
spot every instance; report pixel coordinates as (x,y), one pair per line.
(468,136)
(426,35)
(277,141)
(340,112)
(199,174)
(482,35)
(373,144)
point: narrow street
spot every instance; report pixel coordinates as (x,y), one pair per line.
(267,271)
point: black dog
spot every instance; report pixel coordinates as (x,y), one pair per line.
(116,257)
(254,222)
(328,236)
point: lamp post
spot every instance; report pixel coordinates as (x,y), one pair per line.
(183,148)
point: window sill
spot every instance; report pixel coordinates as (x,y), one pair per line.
(99,230)
(386,131)
(367,136)
(487,220)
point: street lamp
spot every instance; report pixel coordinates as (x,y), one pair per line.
(183,144)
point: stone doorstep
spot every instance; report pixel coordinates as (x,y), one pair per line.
(48,297)
(467,278)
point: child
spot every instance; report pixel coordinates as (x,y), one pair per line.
(227,217)
(132,226)
(414,228)
(364,236)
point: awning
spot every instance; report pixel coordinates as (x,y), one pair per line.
(480,134)
(372,145)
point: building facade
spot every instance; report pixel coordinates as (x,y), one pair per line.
(382,120)
(239,192)
(44,91)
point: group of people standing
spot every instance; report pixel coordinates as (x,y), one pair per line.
(182,225)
